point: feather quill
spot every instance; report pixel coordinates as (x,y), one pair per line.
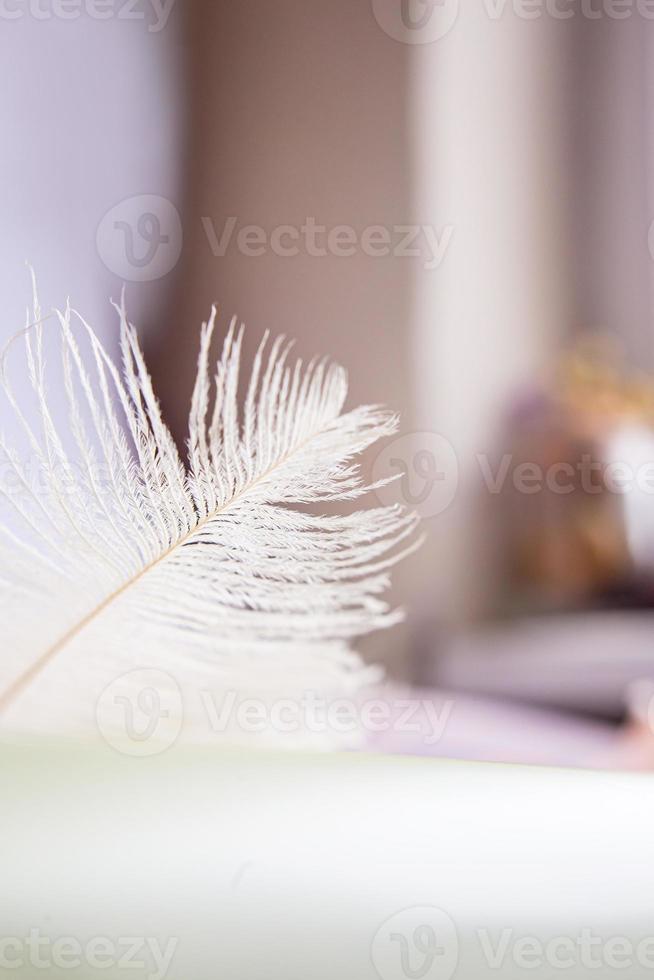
(115,555)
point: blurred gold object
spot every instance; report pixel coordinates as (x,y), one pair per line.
(594,387)
(570,548)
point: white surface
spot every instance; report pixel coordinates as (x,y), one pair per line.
(266,867)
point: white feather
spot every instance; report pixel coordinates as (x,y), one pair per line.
(117,556)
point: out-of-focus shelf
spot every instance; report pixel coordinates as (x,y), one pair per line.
(580,662)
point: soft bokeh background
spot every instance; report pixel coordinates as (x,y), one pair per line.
(520,137)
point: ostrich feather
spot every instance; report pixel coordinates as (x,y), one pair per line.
(221,573)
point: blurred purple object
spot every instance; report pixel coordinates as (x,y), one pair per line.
(446,724)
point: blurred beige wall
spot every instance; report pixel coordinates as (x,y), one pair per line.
(612,140)
(490,107)
(298,110)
